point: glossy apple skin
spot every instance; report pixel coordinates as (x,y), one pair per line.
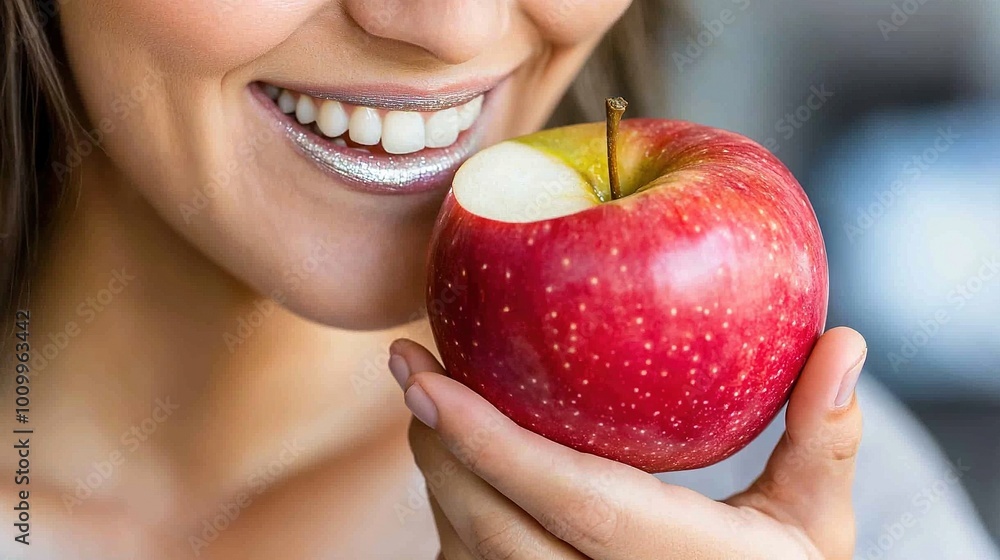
(664,330)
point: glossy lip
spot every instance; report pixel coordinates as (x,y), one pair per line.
(402,98)
(421,171)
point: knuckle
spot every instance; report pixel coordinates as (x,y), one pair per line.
(842,445)
(844,450)
(472,458)
(476,448)
(593,519)
(497,536)
(474,454)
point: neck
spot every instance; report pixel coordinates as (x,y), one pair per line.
(152,351)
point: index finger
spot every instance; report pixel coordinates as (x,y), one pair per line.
(603,508)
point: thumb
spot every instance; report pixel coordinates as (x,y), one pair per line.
(807,481)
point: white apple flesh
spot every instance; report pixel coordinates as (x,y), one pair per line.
(663,329)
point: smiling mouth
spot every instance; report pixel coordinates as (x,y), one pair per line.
(390,144)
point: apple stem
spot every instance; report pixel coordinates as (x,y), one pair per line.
(615,107)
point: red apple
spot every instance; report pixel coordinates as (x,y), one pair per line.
(663,329)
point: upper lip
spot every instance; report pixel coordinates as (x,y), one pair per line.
(401,97)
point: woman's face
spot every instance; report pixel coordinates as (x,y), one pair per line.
(324,201)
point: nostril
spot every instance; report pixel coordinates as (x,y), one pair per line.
(453,31)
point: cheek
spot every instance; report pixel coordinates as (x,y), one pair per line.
(162,87)
(568,22)
(154,76)
(207,36)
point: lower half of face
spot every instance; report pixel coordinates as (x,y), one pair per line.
(305,145)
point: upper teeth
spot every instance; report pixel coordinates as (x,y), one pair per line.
(400,132)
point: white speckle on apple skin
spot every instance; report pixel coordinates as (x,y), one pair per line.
(741,359)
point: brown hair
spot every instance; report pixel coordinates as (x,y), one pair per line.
(37,121)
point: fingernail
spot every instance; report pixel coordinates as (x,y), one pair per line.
(421,405)
(400,369)
(849,382)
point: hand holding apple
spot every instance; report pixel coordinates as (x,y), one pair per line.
(500,491)
(655,310)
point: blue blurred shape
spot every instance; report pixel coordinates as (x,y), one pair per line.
(909,202)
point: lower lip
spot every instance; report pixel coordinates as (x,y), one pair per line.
(428,169)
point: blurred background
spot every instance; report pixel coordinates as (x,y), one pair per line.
(888,112)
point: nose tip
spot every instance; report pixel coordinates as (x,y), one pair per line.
(454,31)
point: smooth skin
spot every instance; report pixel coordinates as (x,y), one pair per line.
(137,299)
(282,419)
(499,491)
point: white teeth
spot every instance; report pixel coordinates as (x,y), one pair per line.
(332,119)
(365,126)
(286,102)
(402,132)
(441,129)
(468,113)
(305,110)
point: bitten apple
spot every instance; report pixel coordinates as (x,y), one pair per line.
(662,328)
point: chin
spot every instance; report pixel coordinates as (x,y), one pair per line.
(362,307)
